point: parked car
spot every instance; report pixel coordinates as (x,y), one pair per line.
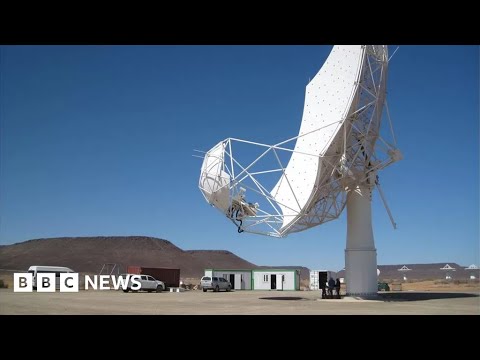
(215,283)
(383,286)
(148,283)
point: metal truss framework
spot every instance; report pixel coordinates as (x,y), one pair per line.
(355,155)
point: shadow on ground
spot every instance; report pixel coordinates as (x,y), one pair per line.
(282,298)
(419,296)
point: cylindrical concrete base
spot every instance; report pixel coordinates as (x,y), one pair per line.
(360,253)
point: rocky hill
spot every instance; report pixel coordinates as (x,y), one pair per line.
(88,254)
(220,259)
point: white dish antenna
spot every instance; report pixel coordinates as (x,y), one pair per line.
(308,179)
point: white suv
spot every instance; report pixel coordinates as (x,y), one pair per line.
(148,283)
(215,283)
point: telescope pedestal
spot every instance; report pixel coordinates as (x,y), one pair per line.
(360,253)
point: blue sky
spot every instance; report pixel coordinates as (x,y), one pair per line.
(98,140)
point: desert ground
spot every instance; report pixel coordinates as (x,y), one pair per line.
(425,297)
(196,302)
(411,285)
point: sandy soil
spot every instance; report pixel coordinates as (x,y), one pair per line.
(438,285)
(237,302)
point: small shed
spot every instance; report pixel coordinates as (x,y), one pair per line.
(240,279)
(276,279)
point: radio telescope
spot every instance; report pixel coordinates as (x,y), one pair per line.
(331,164)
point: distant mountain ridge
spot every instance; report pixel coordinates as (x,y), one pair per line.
(430,271)
(88,254)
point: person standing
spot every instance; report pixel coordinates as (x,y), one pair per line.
(337,288)
(323,285)
(331,285)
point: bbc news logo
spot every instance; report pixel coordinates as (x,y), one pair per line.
(69,282)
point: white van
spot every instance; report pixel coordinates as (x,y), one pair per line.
(35,269)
